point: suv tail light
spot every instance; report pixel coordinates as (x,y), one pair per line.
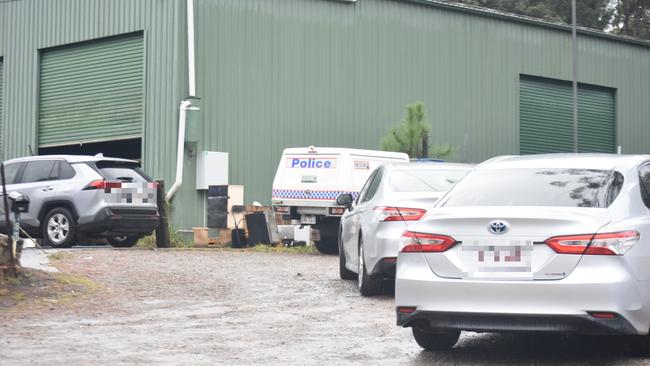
(102,184)
(617,243)
(384,213)
(412,242)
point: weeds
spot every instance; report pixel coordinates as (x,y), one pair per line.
(280,248)
(58,256)
(176,240)
(72,280)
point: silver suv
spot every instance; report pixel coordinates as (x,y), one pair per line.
(78,197)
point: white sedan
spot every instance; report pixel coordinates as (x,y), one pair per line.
(541,243)
(394,196)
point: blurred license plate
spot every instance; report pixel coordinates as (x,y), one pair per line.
(497,259)
(308,219)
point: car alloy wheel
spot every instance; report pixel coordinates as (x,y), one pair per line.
(58,228)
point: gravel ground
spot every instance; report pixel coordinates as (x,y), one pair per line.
(241,308)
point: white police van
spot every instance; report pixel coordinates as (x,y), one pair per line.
(309,179)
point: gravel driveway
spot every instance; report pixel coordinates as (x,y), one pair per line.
(224,307)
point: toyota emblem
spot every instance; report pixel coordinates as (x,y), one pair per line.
(498,227)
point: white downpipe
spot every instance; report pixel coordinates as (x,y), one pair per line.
(186,104)
(180,152)
(190,48)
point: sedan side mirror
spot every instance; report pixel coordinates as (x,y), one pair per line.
(344,199)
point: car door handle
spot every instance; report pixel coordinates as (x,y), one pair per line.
(47,189)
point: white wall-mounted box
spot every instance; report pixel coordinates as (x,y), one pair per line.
(211,169)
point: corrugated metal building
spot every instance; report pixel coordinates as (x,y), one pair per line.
(93,75)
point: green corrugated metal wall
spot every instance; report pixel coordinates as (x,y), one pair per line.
(280,73)
(92,92)
(546,117)
(29,26)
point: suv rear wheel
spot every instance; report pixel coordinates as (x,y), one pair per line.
(122,241)
(59,228)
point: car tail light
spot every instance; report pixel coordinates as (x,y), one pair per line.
(412,242)
(281,209)
(617,243)
(337,210)
(387,213)
(406,309)
(102,184)
(602,315)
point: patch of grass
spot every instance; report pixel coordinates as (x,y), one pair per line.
(148,242)
(280,248)
(58,256)
(176,240)
(73,280)
(19,296)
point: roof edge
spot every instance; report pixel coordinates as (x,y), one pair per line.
(491,13)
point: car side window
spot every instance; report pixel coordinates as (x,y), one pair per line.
(363,191)
(373,186)
(66,171)
(644,178)
(11,172)
(38,171)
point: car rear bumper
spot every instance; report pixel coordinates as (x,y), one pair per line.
(596,285)
(114,221)
(481,322)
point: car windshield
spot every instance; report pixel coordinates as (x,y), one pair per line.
(420,180)
(536,187)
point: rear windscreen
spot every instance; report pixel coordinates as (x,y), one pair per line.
(419,180)
(120,172)
(536,187)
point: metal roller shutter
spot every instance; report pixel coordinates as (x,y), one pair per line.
(92,92)
(546,117)
(596,119)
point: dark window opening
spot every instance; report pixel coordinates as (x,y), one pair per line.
(126,149)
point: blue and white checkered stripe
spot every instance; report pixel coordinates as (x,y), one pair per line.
(313,195)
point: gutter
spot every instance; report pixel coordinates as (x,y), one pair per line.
(185,104)
(516,18)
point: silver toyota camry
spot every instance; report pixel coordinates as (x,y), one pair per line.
(394,196)
(544,243)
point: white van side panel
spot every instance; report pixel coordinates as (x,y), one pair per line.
(313,179)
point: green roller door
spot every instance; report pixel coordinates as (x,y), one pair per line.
(546,117)
(92,92)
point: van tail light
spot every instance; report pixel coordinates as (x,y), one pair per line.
(387,213)
(617,243)
(281,209)
(337,211)
(412,242)
(102,184)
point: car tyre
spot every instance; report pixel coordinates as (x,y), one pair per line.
(59,228)
(368,285)
(328,243)
(122,241)
(344,273)
(435,341)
